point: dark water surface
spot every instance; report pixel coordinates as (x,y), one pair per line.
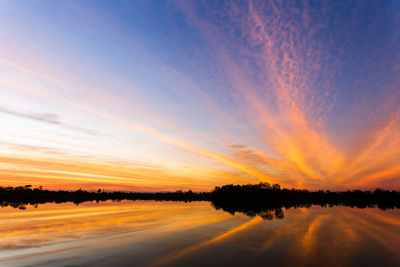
(148,233)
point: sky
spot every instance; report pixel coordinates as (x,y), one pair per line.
(167,95)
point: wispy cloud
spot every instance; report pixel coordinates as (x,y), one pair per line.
(44,117)
(49,118)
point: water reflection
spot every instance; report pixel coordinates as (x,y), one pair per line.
(171,233)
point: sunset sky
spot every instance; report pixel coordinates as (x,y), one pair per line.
(167,95)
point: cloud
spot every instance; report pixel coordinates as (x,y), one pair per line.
(43,117)
(34,149)
(280,61)
(49,118)
(239,146)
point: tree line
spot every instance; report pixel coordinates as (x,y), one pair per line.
(261,199)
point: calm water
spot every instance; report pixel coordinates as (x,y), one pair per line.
(195,234)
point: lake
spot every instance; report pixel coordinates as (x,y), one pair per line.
(150,233)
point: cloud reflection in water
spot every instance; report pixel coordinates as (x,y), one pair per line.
(171,233)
